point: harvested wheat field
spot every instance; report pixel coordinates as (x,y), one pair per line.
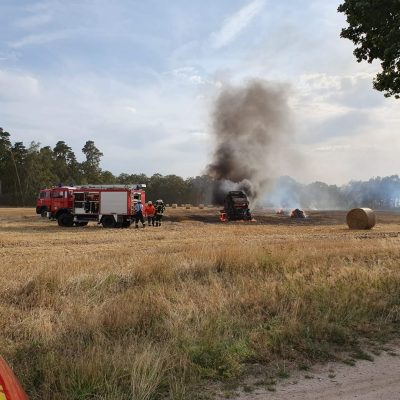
(189,310)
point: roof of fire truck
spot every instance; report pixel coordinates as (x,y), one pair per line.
(132,187)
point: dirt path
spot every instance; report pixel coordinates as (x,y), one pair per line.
(377,380)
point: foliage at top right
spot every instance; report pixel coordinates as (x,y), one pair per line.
(374,28)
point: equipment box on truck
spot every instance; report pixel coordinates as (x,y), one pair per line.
(111,206)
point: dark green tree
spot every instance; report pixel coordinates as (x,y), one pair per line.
(5,161)
(5,148)
(44,167)
(19,155)
(67,168)
(91,167)
(374,28)
(107,177)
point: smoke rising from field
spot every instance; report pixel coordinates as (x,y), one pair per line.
(251,127)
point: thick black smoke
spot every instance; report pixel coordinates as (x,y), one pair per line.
(250,126)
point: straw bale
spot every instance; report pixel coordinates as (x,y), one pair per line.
(361,218)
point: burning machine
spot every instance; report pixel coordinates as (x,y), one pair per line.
(236,207)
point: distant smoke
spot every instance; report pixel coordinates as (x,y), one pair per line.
(251,125)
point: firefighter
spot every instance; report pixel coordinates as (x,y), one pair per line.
(159,211)
(139,214)
(149,212)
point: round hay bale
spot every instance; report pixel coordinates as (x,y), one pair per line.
(361,218)
(187,206)
(167,205)
(174,205)
(201,206)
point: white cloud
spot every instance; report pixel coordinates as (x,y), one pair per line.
(8,56)
(333,148)
(189,74)
(183,72)
(131,109)
(236,23)
(331,83)
(16,86)
(33,21)
(43,38)
(197,79)
(41,6)
(320,81)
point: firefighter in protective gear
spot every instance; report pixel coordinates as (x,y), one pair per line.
(160,207)
(139,214)
(150,212)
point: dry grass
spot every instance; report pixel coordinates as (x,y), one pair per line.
(89,313)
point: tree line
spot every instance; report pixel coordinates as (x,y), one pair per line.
(24,170)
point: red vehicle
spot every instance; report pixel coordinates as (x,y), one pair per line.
(54,199)
(109,205)
(43,202)
(10,388)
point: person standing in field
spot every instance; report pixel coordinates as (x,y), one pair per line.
(139,214)
(149,212)
(159,211)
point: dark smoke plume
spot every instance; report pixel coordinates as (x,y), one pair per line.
(251,125)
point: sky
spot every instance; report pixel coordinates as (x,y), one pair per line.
(140,79)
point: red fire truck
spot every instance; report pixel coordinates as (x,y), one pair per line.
(109,205)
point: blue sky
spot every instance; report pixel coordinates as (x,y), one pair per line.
(139,78)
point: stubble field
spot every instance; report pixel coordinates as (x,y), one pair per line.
(90,313)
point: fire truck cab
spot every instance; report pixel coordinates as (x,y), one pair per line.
(50,202)
(43,202)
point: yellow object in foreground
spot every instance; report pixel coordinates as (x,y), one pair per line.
(2,394)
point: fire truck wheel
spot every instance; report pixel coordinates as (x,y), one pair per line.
(126,224)
(108,221)
(43,212)
(60,220)
(66,220)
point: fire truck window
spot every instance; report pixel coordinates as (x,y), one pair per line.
(40,195)
(47,195)
(66,194)
(79,197)
(136,196)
